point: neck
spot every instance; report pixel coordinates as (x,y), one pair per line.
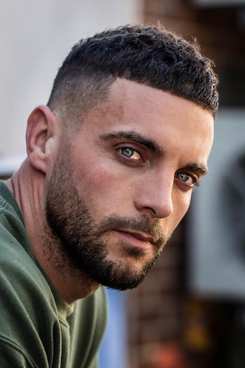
(29,189)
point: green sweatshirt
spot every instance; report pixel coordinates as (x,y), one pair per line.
(37,328)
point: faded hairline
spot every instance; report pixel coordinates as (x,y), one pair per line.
(73,102)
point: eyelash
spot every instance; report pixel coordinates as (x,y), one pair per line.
(196,184)
(195,178)
(129,159)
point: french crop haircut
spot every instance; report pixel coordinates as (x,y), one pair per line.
(149,55)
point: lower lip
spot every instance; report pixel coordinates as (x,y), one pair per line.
(133,241)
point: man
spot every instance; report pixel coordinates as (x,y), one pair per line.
(112,161)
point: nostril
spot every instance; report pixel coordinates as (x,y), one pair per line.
(155,196)
(158,209)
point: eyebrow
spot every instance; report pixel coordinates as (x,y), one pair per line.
(151,145)
(199,168)
(138,138)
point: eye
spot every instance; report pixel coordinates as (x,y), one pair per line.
(188,179)
(130,153)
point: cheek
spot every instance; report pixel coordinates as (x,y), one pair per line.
(104,191)
(181,203)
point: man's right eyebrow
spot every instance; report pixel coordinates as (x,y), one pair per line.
(136,137)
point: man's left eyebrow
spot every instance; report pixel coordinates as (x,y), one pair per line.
(136,137)
(198,168)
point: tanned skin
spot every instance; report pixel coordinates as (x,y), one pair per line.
(137,156)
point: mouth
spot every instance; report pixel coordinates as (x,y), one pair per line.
(137,238)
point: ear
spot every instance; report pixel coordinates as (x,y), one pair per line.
(42,137)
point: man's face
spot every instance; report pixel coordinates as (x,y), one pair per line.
(121,185)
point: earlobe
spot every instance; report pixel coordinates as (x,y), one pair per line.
(40,129)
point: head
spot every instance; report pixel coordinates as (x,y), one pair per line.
(151,56)
(134,108)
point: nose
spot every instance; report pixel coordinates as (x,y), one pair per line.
(155,196)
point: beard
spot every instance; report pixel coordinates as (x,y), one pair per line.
(82,243)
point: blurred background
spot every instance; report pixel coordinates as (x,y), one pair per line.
(190,310)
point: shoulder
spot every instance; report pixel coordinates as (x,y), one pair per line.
(20,275)
(28,316)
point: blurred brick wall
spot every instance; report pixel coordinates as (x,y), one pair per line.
(218,30)
(156,307)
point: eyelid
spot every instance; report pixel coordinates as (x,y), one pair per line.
(196,184)
(128,145)
(194,176)
(131,146)
(134,151)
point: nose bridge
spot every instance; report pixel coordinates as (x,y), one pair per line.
(156,193)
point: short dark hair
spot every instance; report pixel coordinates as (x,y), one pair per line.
(146,54)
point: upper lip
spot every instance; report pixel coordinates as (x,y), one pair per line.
(139,235)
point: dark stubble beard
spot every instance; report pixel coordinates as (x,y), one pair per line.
(78,238)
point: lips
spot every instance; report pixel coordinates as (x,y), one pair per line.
(142,237)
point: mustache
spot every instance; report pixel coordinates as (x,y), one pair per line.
(142,224)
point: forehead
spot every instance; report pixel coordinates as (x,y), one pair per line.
(171,121)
